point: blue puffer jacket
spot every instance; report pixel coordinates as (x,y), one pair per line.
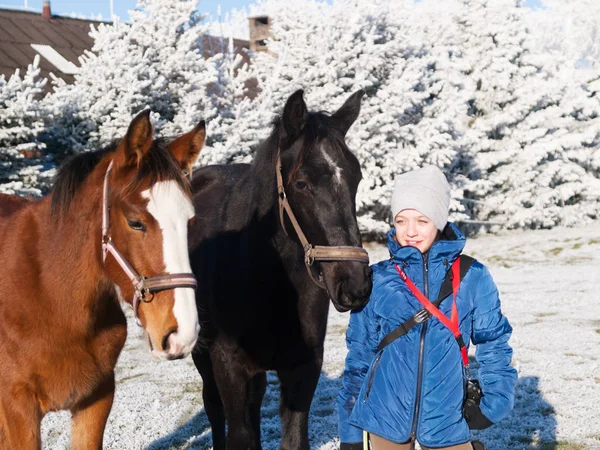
(414,388)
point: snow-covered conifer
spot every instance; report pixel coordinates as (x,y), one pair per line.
(531,130)
(154,62)
(21,122)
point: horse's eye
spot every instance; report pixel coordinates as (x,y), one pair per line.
(300,185)
(136,225)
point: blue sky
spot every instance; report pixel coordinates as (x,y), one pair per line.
(533,4)
(95,7)
(121,7)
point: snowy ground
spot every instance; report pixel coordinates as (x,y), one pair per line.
(549,283)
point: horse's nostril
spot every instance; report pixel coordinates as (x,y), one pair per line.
(165,340)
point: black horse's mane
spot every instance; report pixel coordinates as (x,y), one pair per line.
(157,164)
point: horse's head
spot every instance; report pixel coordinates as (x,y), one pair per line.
(321,177)
(149,209)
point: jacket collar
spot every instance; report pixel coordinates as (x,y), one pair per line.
(448,247)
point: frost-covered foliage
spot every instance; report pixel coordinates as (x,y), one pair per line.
(332,50)
(570,28)
(462,84)
(21,122)
(154,62)
(455,84)
(236,126)
(532,135)
(232,24)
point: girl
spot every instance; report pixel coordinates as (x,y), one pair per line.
(406,374)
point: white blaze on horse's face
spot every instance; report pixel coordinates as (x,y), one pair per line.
(172,209)
(337,170)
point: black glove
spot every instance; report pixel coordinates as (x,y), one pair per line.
(471,411)
(351,446)
(474,417)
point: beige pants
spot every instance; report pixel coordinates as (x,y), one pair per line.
(379,443)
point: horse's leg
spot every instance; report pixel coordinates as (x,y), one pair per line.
(258,387)
(234,383)
(212,399)
(89,417)
(22,418)
(297,389)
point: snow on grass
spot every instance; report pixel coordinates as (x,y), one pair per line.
(549,283)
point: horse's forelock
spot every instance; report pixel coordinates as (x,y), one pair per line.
(318,127)
(157,165)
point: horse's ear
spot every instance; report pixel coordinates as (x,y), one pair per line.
(348,113)
(186,147)
(136,142)
(294,115)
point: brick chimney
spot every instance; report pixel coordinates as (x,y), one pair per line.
(46,13)
(260,31)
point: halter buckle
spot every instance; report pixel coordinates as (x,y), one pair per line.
(142,290)
(281,192)
(308,258)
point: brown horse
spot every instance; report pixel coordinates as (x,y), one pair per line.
(65,262)
(10,203)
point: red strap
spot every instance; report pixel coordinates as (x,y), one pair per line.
(452,323)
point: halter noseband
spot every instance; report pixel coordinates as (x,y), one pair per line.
(314,253)
(144,288)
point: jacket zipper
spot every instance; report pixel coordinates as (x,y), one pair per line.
(372,376)
(413,433)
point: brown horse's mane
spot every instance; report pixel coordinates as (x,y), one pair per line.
(158,164)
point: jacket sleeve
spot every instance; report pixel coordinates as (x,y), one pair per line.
(491,332)
(361,340)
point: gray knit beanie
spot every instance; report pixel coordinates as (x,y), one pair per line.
(425,190)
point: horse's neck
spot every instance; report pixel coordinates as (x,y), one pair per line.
(71,248)
(263,184)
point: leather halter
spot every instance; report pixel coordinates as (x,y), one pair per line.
(144,288)
(314,253)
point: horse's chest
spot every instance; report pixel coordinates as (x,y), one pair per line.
(73,375)
(284,339)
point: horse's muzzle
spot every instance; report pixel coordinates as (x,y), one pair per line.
(348,283)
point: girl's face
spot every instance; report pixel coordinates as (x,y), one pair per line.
(414,229)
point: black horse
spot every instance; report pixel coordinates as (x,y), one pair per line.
(259,299)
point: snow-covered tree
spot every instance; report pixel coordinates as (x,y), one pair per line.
(571,29)
(237,125)
(330,51)
(154,62)
(21,122)
(531,130)
(460,84)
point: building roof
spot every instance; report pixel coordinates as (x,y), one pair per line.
(60,41)
(66,36)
